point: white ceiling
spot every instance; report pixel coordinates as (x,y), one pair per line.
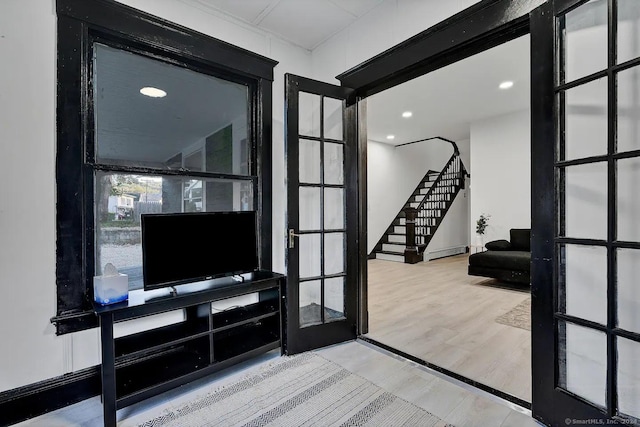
(306,23)
(446,101)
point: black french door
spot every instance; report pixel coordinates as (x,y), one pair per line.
(586,215)
(322,214)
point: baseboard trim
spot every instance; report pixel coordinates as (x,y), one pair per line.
(35,399)
(444,253)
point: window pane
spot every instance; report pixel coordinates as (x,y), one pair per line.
(628,203)
(309,199)
(120,199)
(309,158)
(628,30)
(583,282)
(309,114)
(310,303)
(628,108)
(586,126)
(628,377)
(583,362)
(334,253)
(334,299)
(333,118)
(585,40)
(628,261)
(199,113)
(585,197)
(334,218)
(309,250)
(333,163)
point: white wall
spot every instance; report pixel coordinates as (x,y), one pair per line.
(31,351)
(392,22)
(500,183)
(393,174)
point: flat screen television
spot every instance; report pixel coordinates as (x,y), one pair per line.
(188,247)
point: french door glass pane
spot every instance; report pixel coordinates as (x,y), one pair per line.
(310,303)
(309,249)
(585,40)
(628,30)
(309,157)
(334,253)
(585,197)
(583,287)
(321,209)
(333,118)
(309,199)
(583,362)
(333,163)
(628,107)
(309,114)
(586,120)
(628,203)
(628,377)
(334,298)
(334,208)
(628,261)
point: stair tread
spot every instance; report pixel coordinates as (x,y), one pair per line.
(390,252)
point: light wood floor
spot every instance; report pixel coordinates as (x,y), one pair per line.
(435,311)
(455,403)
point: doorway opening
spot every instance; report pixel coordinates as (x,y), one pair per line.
(448,148)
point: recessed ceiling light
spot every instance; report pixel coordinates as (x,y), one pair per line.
(506,85)
(391,136)
(407,114)
(153,92)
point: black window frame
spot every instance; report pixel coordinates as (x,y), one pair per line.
(80,24)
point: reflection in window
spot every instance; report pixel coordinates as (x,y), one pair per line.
(200,124)
(121,200)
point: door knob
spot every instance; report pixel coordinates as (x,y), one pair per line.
(292,235)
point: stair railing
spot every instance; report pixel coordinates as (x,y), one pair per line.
(411,251)
(390,227)
(434,200)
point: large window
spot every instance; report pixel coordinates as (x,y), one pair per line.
(152,118)
(157,119)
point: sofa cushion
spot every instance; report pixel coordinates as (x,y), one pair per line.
(520,239)
(507,260)
(498,245)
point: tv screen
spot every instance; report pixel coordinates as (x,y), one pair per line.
(188,247)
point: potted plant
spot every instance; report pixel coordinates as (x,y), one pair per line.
(481,226)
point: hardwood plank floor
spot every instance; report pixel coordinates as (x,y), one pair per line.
(435,311)
(454,402)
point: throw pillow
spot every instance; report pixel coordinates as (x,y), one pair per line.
(498,245)
(521,239)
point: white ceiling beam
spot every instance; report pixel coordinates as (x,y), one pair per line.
(339,5)
(265,12)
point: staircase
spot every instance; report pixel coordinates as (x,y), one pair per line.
(413,228)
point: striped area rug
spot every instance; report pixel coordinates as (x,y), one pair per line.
(302,390)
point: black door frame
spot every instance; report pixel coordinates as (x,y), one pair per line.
(326,333)
(484,25)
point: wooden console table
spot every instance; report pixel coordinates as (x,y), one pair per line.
(138,366)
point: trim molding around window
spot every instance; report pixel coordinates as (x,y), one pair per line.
(81,23)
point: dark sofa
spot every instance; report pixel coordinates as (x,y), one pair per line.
(505,260)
